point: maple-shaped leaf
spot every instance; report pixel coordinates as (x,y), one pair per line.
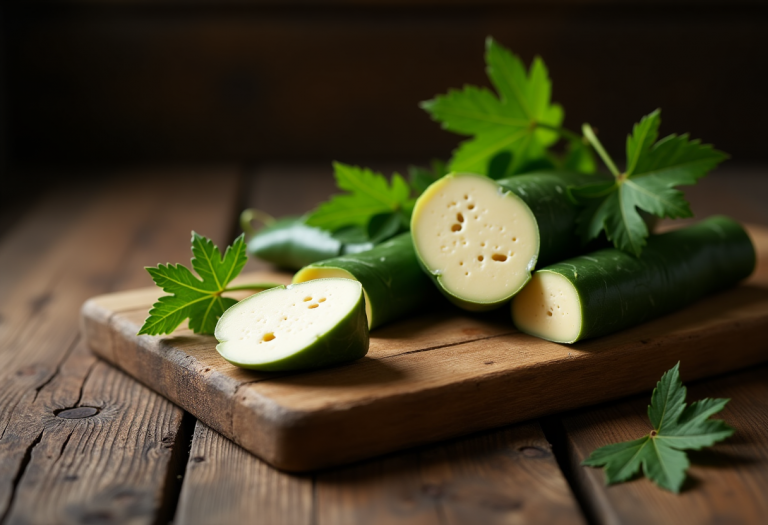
(509,120)
(654,170)
(676,428)
(369,195)
(197,298)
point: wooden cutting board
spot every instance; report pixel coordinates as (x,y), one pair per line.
(428,378)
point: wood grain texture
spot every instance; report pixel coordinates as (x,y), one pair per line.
(223,483)
(727,483)
(508,476)
(471,374)
(111,465)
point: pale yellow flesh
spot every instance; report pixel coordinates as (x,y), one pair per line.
(481,241)
(310,274)
(275,324)
(548,307)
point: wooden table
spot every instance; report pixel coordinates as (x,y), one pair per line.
(136,458)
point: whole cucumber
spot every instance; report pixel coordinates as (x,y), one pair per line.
(609,290)
(291,243)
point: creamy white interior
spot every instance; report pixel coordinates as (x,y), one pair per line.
(275,324)
(548,307)
(310,273)
(481,240)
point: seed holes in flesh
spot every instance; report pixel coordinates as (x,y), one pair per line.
(514,239)
(314,305)
(480,258)
(500,257)
(549,313)
(268,337)
(471,207)
(466,197)
(307,298)
(466,273)
(482,244)
(461,263)
(321,300)
(456,228)
(459,217)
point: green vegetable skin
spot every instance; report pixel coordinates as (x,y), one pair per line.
(544,199)
(545,194)
(290,243)
(613,290)
(394,284)
(247,342)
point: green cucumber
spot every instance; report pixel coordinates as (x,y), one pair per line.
(480,239)
(609,290)
(394,284)
(290,243)
(296,327)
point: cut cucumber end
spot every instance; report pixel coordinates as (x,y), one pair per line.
(310,274)
(307,325)
(479,242)
(549,308)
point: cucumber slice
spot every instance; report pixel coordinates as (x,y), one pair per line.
(609,290)
(300,326)
(393,283)
(478,241)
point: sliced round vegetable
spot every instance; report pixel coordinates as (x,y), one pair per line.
(610,290)
(392,280)
(300,326)
(480,239)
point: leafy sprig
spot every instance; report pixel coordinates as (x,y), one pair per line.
(198,299)
(653,170)
(519,119)
(369,194)
(676,427)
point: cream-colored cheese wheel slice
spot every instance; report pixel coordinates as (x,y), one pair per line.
(548,307)
(479,240)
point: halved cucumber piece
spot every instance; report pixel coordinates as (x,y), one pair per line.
(300,326)
(548,307)
(609,290)
(477,240)
(393,283)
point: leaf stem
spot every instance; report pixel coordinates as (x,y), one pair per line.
(563,132)
(592,138)
(253,286)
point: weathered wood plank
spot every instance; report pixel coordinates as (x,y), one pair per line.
(507,476)
(74,244)
(223,483)
(727,483)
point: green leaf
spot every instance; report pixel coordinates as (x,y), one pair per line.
(654,170)
(369,194)
(198,299)
(677,427)
(504,122)
(579,158)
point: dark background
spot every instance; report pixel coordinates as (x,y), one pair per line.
(177,82)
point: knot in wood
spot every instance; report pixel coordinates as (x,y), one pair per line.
(533,452)
(77,412)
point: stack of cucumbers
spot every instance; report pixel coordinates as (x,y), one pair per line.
(520,218)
